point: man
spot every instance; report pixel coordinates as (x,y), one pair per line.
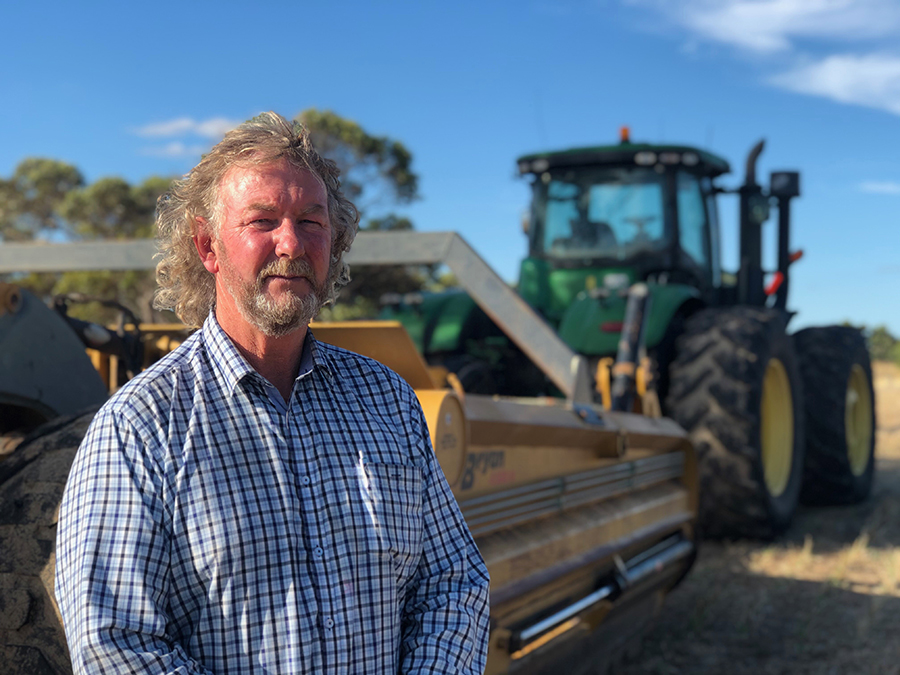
(257,501)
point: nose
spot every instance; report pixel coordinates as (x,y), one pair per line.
(288,243)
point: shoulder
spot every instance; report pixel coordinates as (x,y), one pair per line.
(150,395)
(375,388)
(366,372)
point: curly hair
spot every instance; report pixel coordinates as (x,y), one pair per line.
(184,283)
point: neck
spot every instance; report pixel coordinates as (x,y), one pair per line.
(275,358)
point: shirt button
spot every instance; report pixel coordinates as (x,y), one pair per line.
(329,623)
(305,480)
(318,551)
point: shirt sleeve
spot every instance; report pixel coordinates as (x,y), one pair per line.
(112,565)
(445,618)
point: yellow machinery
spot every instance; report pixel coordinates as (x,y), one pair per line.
(585,517)
(580,513)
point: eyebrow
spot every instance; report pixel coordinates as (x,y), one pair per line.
(269,207)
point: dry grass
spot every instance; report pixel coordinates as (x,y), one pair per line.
(825,598)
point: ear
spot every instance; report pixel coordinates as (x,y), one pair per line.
(203,241)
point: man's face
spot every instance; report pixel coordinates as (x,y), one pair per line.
(273,246)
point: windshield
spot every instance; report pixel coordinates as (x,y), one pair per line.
(600,213)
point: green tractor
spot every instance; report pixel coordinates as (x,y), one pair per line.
(775,417)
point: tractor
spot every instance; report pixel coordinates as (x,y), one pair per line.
(775,417)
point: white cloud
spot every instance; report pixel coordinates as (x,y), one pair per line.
(175,149)
(769,26)
(215,128)
(843,50)
(881,187)
(871,80)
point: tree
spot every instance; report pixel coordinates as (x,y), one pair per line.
(375,170)
(882,345)
(46,197)
(30,200)
(376,173)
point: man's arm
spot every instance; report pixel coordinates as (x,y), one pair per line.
(112,556)
(445,618)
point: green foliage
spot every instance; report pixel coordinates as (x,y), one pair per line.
(111,209)
(49,197)
(32,197)
(45,197)
(373,168)
(882,345)
(356,308)
(442,281)
(389,223)
(377,175)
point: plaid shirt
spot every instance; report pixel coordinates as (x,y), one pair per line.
(208,527)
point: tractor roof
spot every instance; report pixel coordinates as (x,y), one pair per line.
(641,154)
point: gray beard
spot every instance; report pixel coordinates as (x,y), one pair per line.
(275,319)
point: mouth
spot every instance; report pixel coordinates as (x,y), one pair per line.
(286,277)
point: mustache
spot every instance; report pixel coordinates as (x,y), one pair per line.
(287,268)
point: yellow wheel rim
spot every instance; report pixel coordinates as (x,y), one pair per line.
(858,420)
(777,433)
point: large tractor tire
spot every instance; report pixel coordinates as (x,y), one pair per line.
(474,374)
(840,415)
(32,479)
(735,387)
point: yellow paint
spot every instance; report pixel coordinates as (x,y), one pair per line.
(777,427)
(384,341)
(858,420)
(604,381)
(544,639)
(517,554)
(447,428)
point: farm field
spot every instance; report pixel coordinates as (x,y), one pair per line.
(823,599)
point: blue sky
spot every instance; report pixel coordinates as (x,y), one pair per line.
(135,89)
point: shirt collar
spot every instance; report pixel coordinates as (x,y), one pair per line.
(231,367)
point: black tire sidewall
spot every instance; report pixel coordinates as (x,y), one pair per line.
(834,350)
(716,391)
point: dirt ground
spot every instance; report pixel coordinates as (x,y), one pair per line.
(824,598)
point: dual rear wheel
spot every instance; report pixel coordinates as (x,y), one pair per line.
(774,418)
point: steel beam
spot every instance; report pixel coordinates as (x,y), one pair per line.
(566,369)
(514,316)
(76,257)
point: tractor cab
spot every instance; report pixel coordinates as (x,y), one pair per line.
(603,218)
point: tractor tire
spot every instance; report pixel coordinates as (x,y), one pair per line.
(32,479)
(735,387)
(475,375)
(840,415)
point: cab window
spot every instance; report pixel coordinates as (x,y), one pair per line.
(692,230)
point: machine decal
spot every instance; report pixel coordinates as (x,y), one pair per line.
(481,462)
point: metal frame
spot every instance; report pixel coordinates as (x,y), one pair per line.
(566,369)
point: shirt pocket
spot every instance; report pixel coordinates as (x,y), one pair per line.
(392,498)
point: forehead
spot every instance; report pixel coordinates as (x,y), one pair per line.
(278,183)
